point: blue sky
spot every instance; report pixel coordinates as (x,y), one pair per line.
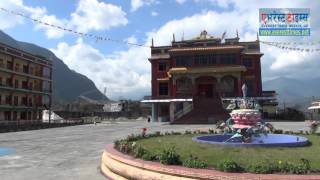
(124,69)
(140,21)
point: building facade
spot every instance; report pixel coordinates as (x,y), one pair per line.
(25,86)
(314,110)
(190,78)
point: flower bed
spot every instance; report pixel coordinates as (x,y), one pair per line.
(148,147)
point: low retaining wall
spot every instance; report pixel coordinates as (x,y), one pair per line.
(118,166)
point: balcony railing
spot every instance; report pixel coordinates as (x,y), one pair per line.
(18,70)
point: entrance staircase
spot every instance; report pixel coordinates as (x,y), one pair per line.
(205,111)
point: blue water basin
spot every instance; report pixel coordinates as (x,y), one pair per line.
(6,151)
(269,140)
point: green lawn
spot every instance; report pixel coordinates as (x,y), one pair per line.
(213,154)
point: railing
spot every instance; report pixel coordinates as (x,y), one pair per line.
(183,111)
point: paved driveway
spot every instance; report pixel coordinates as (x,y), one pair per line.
(74,152)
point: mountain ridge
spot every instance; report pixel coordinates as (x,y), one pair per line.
(294,92)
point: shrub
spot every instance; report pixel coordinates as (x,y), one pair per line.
(196,132)
(148,156)
(175,133)
(144,154)
(133,137)
(139,152)
(187,132)
(194,162)
(278,131)
(229,166)
(262,168)
(158,133)
(155,134)
(301,167)
(203,132)
(116,144)
(211,131)
(125,147)
(169,156)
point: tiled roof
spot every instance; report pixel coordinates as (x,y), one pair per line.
(206,48)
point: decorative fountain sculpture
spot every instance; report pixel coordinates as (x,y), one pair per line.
(246,128)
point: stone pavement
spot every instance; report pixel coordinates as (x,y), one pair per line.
(75,152)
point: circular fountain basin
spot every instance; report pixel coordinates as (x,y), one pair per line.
(270,140)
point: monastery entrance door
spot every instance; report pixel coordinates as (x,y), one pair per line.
(205,90)
(206,86)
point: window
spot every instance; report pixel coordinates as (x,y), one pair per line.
(248,62)
(227,86)
(24,84)
(184,61)
(16,100)
(25,68)
(9,82)
(184,84)
(1,63)
(17,67)
(29,115)
(201,60)
(250,88)
(16,83)
(162,67)
(227,58)
(30,86)
(24,101)
(7,115)
(31,70)
(163,89)
(46,72)
(15,115)
(0,81)
(9,65)
(23,115)
(212,59)
(8,99)
(253,46)
(30,102)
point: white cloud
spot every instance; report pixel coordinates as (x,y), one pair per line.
(8,20)
(154,13)
(220,3)
(136,4)
(41,14)
(89,15)
(95,15)
(124,73)
(181,1)
(132,39)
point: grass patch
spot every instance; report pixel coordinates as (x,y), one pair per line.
(212,155)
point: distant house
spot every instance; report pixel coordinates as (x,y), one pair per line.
(113,107)
(314,110)
(55,118)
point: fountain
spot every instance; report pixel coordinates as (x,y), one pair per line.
(246,128)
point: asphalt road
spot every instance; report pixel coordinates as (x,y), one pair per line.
(75,152)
